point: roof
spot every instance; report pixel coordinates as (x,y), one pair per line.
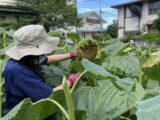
(90,28)
(15,9)
(86,14)
(127,4)
(131,3)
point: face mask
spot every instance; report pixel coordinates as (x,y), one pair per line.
(39,60)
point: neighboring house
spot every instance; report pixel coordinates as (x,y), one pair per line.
(137,16)
(9,12)
(70,2)
(91,25)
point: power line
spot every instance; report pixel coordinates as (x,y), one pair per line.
(109,14)
(85,1)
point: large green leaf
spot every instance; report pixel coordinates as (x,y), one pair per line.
(26,110)
(152,73)
(19,112)
(106,101)
(127,65)
(151,66)
(114,48)
(95,69)
(149,109)
(53,75)
(152,60)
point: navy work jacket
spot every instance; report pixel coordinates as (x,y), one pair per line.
(21,82)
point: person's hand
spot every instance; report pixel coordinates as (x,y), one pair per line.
(73,55)
(72,78)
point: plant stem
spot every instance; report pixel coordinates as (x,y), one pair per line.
(58,105)
(140,72)
(69,99)
(75,84)
(1,84)
(125,118)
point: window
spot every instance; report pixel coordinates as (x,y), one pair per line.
(129,13)
(83,35)
(154,7)
(94,21)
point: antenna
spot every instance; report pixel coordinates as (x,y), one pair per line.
(100,12)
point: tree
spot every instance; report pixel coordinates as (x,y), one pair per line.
(52,13)
(156,23)
(112,30)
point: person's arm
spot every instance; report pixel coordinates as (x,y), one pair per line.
(70,81)
(60,57)
(60,87)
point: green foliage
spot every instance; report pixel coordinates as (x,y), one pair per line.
(152,60)
(102,37)
(149,109)
(156,23)
(26,110)
(21,20)
(150,37)
(54,34)
(52,13)
(112,30)
(69,100)
(114,47)
(128,37)
(73,36)
(106,101)
(129,65)
(109,87)
(95,69)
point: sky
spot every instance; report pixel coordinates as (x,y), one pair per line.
(108,14)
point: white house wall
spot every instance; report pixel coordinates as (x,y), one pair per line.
(145,15)
(121,22)
(121,17)
(120,33)
(131,24)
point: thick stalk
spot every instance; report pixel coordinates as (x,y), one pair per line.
(69,100)
(140,71)
(1,84)
(75,84)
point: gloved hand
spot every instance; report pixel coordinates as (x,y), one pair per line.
(73,55)
(72,78)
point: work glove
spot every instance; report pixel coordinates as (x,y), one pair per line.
(72,78)
(73,55)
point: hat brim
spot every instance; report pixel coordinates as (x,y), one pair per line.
(46,48)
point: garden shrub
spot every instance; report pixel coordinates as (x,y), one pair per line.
(73,36)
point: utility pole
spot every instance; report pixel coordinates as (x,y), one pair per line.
(100,13)
(76,12)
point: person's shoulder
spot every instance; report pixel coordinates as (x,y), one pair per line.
(13,66)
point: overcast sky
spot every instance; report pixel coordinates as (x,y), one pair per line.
(93,5)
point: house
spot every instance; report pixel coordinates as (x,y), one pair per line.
(91,25)
(10,12)
(137,16)
(71,2)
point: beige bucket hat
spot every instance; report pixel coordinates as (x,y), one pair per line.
(32,40)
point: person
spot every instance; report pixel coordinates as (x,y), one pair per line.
(21,73)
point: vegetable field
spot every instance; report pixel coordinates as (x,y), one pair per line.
(121,83)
